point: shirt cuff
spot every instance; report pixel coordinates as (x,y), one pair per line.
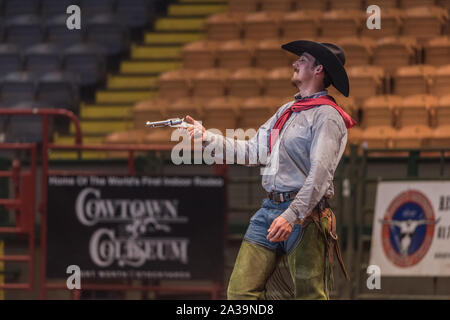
(290,216)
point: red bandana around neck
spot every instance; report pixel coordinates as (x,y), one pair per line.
(306,104)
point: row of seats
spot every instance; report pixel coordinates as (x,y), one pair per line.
(388,121)
(86,60)
(104,29)
(133,13)
(249,82)
(57,89)
(288,5)
(389,52)
(233,112)
(420,22)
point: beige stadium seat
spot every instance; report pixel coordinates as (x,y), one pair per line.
(277,5)
(149,110)
(162,136)
(365,81)
(222,113)
(380,110)
(348,104)
(225,26)
(342,23)
(444,4)
(391,22)
(416,3)
(256,111)
(412,137)
(437,51)
(210,83)
(358,50)
(442,112)
(354,136)
(243,5)
(441,82)
(186,106)
(278,83)
(200,54)
(303,24)
(378,137)
(424,22)
(416,110)
(236,54)
(247,82)
(262,25)
(346,4)
(393,52)
(385,4)
(269,55)
(440,137)
(175,84)
(312,5)
(134,136)
(415,79)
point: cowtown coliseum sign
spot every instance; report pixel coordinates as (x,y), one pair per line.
(136,227)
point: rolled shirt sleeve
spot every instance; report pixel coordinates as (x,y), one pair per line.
(328,144)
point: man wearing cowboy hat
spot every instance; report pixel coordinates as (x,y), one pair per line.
(288,247)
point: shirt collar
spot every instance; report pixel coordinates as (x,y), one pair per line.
(315,95)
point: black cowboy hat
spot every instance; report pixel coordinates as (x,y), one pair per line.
(331,56)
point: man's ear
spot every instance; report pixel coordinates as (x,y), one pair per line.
(319,69)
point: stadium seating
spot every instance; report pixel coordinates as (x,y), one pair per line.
(301,24)
(18,86)
(262,25)
(269,56)
(58,33)
(246,82)
(441,82)
(210,83)
(277,5)
(380,110)
(222,113)
(243,5)
(225,26)
(236,54)
(437,51)
(442,112)
(86,60)
(393,52)
(416,79)
(341,23)
(200,54)
(391,23)
(314,5)
(176,84)
(415,110)
(255,111)
(378,137)
(358,50)
(424,22)
(107,30)
(149,110)
(43,58)
(365,81)
(59,90)
(92,8)
(11,59)
(24,30)
(20,7)
(51,8)
(278,83)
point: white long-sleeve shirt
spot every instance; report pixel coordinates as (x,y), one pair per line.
(304,157)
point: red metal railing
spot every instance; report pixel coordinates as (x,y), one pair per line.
(220,170)
(23,206)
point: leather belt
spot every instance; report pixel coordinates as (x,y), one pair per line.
(279,197)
